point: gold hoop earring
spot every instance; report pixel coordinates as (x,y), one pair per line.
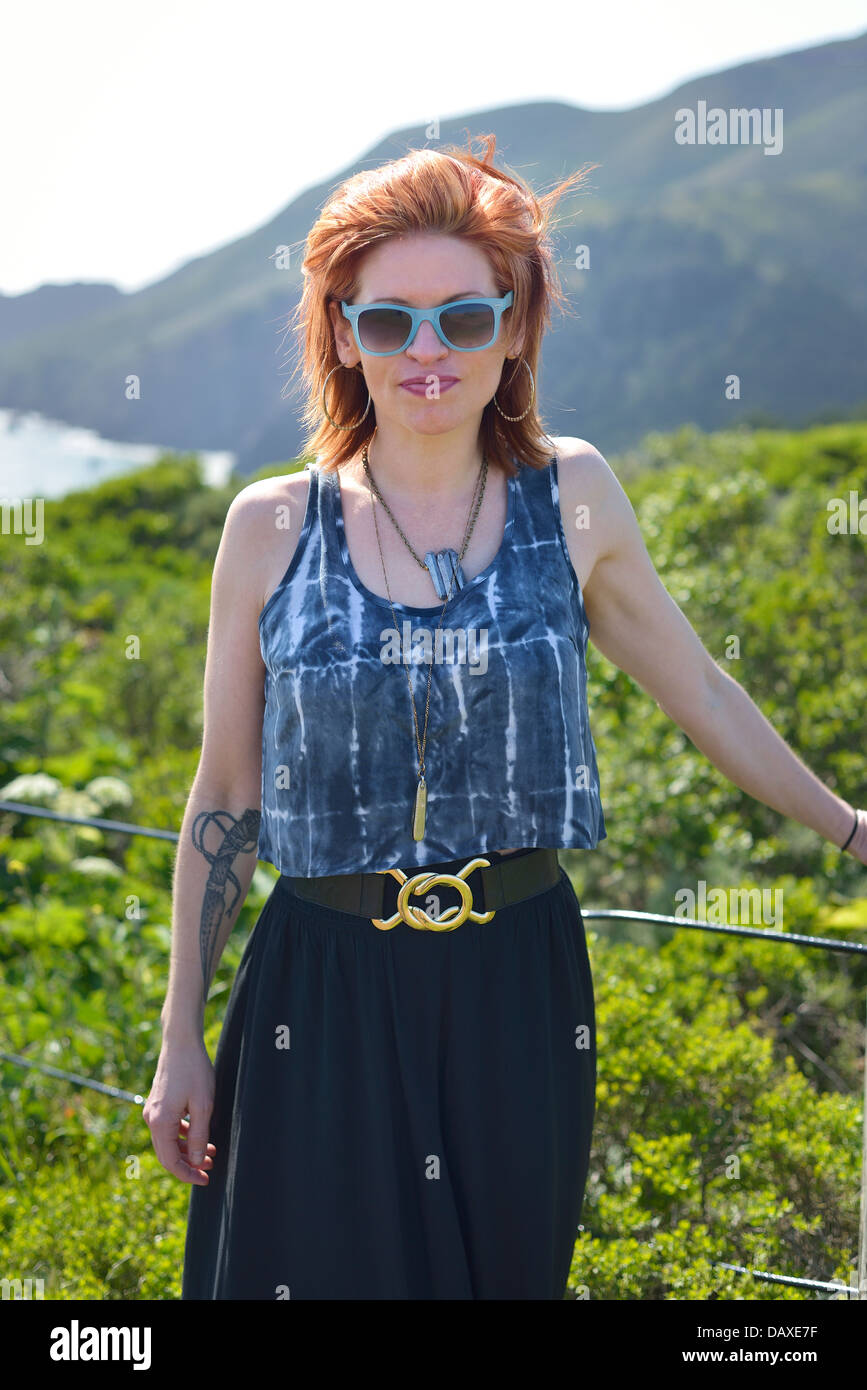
(532,397)
(325,407)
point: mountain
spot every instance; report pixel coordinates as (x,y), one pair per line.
(50,307)
(706,260)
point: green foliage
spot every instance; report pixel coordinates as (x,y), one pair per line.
(710,1146)
(730,1069)
(94,1219)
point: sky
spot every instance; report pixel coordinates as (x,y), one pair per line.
(135,139)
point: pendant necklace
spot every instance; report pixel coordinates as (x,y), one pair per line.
(444,566)
(454,570)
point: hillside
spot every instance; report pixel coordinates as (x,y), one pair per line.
(705,260)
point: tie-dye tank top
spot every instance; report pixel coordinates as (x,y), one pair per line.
(510,759)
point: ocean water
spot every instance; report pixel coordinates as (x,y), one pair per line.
(46,458)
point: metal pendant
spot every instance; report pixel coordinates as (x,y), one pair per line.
(420,808)
(444,566)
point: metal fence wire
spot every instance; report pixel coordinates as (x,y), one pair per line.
(858,1291)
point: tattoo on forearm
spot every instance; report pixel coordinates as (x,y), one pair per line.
(238,837)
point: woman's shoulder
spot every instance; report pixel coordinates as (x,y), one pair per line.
(264,490)
(274,500)
(589,501)
(583,473)
(578,456)
(263,526)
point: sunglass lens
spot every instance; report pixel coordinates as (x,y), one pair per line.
(468,325)
(383,330)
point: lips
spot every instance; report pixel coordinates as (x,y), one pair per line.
(423,381)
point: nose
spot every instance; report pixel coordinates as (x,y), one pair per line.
(426,343)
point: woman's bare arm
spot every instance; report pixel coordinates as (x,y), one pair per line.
(218,840)
(217,846)
(637,625)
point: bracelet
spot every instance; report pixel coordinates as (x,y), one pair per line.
(851,834)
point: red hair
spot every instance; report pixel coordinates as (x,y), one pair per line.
(452,192)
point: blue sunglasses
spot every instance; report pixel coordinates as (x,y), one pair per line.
(384,329)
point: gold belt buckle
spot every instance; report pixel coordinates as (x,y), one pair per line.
(420,883)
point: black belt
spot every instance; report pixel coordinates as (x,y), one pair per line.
(481,887)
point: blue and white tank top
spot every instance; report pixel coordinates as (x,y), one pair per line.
(510,759)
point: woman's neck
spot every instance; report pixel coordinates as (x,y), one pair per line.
(423,469)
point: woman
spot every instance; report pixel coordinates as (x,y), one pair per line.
(403,1095)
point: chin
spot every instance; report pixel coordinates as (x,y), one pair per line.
(434,417)
(440,425)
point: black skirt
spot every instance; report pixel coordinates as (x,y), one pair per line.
(400,1114)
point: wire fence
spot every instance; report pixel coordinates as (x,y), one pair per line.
(588,914)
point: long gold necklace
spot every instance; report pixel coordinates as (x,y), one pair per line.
(419,812)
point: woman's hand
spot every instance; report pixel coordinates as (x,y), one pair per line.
(183,1085)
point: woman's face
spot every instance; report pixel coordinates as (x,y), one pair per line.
(426,270)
